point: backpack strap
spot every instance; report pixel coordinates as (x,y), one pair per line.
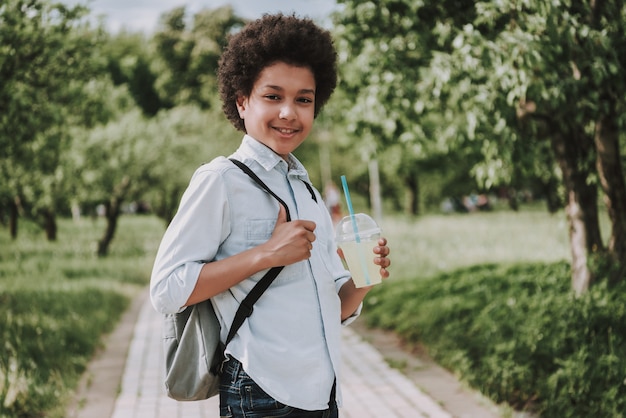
(258,181)
(310,189)
(249,172)
(246,306)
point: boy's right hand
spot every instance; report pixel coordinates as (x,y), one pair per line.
(291,241)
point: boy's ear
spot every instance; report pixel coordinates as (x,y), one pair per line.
(242,103)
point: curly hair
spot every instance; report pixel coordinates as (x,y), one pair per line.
(270,39)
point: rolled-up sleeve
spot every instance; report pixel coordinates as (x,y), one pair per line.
(191,240)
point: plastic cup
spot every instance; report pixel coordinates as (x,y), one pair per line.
(358,248)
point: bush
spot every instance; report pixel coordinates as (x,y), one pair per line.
(518,335)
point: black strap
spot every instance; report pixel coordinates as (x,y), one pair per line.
(260,183)
(246,306)
(254,177)
(310,189)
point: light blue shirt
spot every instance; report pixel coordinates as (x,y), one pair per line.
(290,345)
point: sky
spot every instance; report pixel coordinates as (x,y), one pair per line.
(143,15)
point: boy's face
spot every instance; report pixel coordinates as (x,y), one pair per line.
(280,109)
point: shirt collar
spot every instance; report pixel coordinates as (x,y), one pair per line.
(269,160)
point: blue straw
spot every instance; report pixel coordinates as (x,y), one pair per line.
(346,192)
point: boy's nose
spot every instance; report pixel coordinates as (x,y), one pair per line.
(287,112)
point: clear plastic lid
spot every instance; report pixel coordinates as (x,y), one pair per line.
(366,226)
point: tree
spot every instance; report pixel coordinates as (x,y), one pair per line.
(511,80)
(559,67)
(135,159)
(129,59)
(187,137)
(46,60)
(188,56)
(384,48)
(112,163)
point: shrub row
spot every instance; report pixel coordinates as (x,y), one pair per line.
(518,334)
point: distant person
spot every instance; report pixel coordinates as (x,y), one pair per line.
(470,203)
(332,197)
(274,77)
(482,202)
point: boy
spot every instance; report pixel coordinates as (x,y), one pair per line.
(274,76)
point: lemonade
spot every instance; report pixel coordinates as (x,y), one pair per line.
(357,235)
(360,260)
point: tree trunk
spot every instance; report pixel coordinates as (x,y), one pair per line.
(375,198)
(50,224)
(13,216)
(550,191)
(172,205)
(581,274)
(581,206)
(612,179)
(412,194)
(166,209)
(513,199)
(112,215)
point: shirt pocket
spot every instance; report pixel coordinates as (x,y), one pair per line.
(321,263)
(259,231)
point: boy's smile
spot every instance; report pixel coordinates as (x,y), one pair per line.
(280,109)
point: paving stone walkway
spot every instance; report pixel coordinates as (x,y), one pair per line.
(370,387)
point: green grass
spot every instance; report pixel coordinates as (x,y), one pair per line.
(432,244)
(489,296)
(57,300)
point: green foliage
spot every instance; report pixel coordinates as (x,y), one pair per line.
(57,300)
(187,56)
(109,155)
(517,333)
(396,114)
(52,80)
(129,63)
(478,290)
(134,158)
(184,137)
(530,93)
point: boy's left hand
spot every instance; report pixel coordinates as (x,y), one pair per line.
(382,250)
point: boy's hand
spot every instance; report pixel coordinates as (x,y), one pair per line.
(291,241)
(382,251)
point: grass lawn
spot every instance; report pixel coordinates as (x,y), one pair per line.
(429,245)
(57,299)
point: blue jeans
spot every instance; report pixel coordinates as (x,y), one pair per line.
(241,397)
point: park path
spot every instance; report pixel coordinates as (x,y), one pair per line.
(124,379)
(370,387)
